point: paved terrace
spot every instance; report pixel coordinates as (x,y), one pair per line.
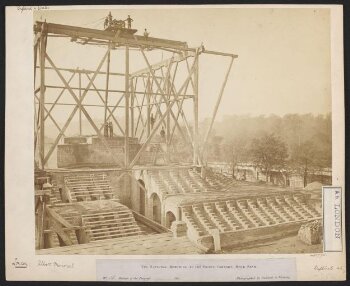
(155,244)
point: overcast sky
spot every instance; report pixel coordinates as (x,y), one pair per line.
(284,54)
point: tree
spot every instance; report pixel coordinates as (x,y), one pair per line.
(268,152)
(308,156)
(237,152)
(214,146)
(303,157)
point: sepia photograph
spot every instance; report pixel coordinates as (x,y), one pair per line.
(209,135)
(135,154)
(178,143)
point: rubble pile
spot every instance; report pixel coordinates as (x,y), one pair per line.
(311,233)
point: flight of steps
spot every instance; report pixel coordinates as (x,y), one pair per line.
(159,183)
(180,181)
(213,181)
(184,185)
(244,214)
(169,182)
(99,220)
(196,181)
(216,218)
(203,217)
(89,187)
(55,197)
(110,224)
(196,226)
(217,180)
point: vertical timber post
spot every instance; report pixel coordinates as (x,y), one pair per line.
(80,124)
(127,95)
(43,39)
(36,126)
(132,108)
(168,128)
(126,139)
(195,110)
(107,86)
(148,95)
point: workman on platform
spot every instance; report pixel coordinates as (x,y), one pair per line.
(105,129)
(152,121)
(105,24)
(146,33)
(110,19)
(162,134)
(129,21)
(110,129)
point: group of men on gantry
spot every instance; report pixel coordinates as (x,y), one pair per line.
(109,22)
(108,129)
(162,131)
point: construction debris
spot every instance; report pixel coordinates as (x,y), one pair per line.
(311,233)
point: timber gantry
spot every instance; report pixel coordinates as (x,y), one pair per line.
(160,88)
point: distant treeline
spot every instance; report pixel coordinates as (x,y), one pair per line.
(301,141)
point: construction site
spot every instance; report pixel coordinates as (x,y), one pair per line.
(124,186)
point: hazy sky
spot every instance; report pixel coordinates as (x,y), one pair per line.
(284,54)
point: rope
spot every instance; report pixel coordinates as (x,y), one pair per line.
(93,22)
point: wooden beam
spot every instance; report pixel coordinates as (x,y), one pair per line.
(107,85)
(109,36)
(42,97)
(79,104)
(114,108)
(82,71)
(132,116)
(36,130)
(219,53)
(59,96)
(53,120)
(195,111)
(161,91)
(217,105)
(183,114)
(40,223)
(35,59)
(103,90)
(80,121)
(106,106)
(54,215)
(164,63)
(154,130)
(127,96)
(55,227)
(140,115)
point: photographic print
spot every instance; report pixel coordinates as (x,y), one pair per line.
(181,131)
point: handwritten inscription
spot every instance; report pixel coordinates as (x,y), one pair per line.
(19,263)
(32,8)
(324,268)
(55,264)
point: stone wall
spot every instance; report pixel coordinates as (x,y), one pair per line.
(238,238)
(95,154)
